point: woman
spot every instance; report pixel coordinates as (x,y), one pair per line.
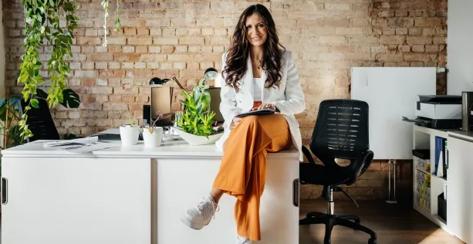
(258,73)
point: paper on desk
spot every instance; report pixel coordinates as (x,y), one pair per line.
(80,145)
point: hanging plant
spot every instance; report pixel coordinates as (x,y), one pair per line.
(52,21)
(117,23)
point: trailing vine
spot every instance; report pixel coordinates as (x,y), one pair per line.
(105,5)
(117,23)
(53,21)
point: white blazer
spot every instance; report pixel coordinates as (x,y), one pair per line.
(288,98)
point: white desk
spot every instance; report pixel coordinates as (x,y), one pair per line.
(132,195)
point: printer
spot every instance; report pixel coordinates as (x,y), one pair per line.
(439,111)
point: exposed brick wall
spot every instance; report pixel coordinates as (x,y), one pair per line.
(183,38)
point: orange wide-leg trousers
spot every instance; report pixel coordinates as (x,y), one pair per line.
(243,168)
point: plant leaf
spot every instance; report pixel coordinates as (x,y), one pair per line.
(70,99)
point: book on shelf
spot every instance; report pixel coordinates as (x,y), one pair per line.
(440,157)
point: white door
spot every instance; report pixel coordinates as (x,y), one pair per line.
(182,183)
(76,201)
(460,190)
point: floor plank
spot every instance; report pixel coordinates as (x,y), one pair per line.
(393,224)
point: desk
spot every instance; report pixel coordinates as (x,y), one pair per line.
(132,195)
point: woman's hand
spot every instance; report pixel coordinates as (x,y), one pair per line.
(269,106)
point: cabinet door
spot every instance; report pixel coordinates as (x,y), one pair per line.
(76,201)
(183,182)
(459,192)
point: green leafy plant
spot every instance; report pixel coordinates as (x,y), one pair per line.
(197,117)
(52,21)
(11,114)
(70,98)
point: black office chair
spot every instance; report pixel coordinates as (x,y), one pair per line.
(41,123)
(341,132)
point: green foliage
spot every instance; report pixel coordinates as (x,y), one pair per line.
(53,21)
(197,117)
(10,114)
(70,98)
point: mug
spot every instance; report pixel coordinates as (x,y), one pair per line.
(152,136)
(129,135)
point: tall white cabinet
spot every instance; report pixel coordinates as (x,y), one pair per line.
(460,190)
(458,185)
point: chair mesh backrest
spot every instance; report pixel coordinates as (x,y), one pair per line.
(341,130)
(41,123)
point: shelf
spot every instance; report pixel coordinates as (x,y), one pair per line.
(423,211)
(424,171)
(427,186)
(430,131)
(439,219)
(438,178)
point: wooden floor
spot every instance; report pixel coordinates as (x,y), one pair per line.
(393,224)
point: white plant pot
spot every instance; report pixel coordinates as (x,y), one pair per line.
(152,136)
(195,140)
(129,135)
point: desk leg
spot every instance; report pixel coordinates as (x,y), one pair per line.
(392,196)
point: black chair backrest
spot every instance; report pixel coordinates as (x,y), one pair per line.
(41,123)
(341,130)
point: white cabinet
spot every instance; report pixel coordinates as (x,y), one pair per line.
(428,182)
(458,183)
(76,201)
(133,195)
(460,187)
(192,179)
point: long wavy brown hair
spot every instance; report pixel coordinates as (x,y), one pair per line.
(236,61)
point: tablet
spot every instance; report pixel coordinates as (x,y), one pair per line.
(256,112)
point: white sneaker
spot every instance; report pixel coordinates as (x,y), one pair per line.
(243,240)
(200,216)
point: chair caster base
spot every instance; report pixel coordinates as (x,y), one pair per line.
(329,220)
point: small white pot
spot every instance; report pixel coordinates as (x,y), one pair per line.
(152,136)
(129,135)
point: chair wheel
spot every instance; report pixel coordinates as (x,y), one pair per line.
(372,241)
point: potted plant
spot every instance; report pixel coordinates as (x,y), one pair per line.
(53,22)
(152,134)
(195,122)
(129,133)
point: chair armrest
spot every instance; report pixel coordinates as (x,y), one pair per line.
(307,153)
(361,164)
(367,159)
(358,166)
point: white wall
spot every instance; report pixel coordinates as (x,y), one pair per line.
(2,55)
(460,46)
